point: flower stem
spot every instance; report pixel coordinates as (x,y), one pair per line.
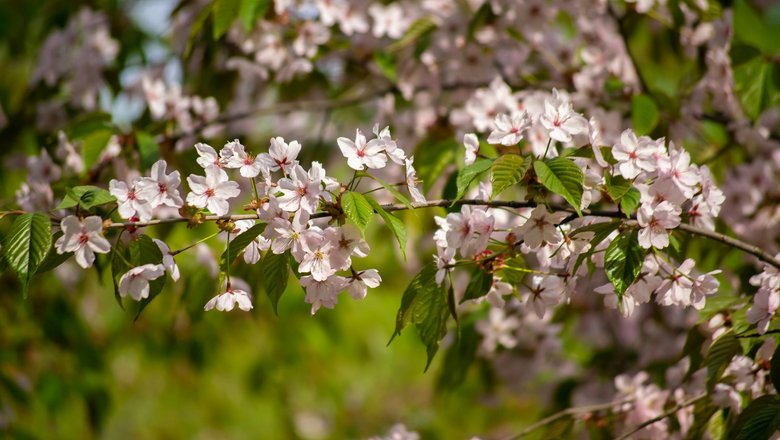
(190,246)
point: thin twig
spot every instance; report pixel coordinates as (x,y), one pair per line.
(566,413)
(716,236)
(660,417)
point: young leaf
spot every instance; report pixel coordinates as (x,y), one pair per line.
(87,197)
(630,201)
(719,356)
(416,31)
(563,177)
(508,170)
(251,10)
(395,224)
(644,114)
(513,271)
(617,186)
(148,149)
(387,65)
(276,271)
(469,174)
(239,243)
(424,304)
(225,13)
(26,245)
(357,208)
(623,260)
(756,83)
(479,285)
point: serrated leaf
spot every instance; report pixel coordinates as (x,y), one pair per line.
(601,231)
(469,174)
(508,170)
(276,271)
(148,149)
(26,245)
(630,201)
(239,243)
(459,356)
(563,177)
(225,13)
(644,114)
(623,260)
(357,208)
(395,225)
(415,31)
(719,356)
(479,285)
(759,420)
(424,304)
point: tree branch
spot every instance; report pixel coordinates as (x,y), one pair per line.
(662,416)
(716,236)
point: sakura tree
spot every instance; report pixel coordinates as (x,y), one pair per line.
(582,196)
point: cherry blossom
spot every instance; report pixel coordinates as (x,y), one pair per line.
(361,281)
(248,165)
(212,191)
(129,204)
(83,238)
(161,188)
(560,119)
(228,300)
(300,191)
(361,154)
(168,262)
(655,223)
(497,330)
(540,228)
(411,182)
(323,293)
(509,130)
(471,143)
(136,281)
(281,155)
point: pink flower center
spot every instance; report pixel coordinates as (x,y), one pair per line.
(210,192)
(163,188)
(83,238)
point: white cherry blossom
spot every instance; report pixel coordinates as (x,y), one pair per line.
(136,281)
(281,155)
(161,188)
(83,238)
(361,154)
(323,293)
(129,203)
(655,222)
(508,129)
(361,281)
(212,191)
(300,191)
(228,300)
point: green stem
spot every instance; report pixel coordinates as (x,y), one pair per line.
(544,156)
(176,252)
(254,188)
(227,261)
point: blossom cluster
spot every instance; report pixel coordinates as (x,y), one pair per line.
(285,196)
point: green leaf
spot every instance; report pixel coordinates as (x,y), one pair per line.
(630,201)
(119,255)
(239,243)
(617,186)
(424,304)
(53,259)
(390,188)
(601,231)
(432,157)
(225,13)
(623,260)
(459,357)
(759,420)
(644,114)
(514,270)
(479,285)
(469,174)
(387,65)
(148,149)
(93,144)
(26,245)
(395,225)
(357,208)
(416,31)
(144,251)
(563,177)
(508,170)
(276,271)
(756,83)
(753,29)
(774,369)
(87,197)
(719,356)
(251,10)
